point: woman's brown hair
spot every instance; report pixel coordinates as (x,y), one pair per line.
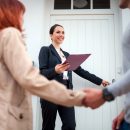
(53,28)
(10,12)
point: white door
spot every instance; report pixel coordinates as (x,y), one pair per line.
(93,34)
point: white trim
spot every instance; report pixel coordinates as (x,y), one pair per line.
(91,4)
(71,4)
(83,11)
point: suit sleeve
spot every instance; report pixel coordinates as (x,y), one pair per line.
(86,75)
(122,86)
(28,77)
(44,64)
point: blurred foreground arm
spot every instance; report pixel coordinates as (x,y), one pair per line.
(28,77)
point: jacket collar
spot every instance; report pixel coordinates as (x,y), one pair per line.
(52,48)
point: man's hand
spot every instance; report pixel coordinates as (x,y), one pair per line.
(93,98)
(117,121)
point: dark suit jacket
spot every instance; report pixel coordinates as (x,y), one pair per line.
(49,58)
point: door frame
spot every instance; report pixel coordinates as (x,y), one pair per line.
(115,11)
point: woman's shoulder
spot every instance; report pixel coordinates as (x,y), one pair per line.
(10,31)
(44,49)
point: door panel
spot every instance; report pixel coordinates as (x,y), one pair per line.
(91,34)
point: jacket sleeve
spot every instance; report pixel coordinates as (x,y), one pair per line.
(86,75)
(44,64)
(20,67)
(122,86)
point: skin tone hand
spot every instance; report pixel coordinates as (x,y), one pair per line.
(93,98)
(105,83)
(60,68)
(117,121)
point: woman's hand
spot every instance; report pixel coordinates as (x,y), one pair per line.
(60,68)
(105,83)
(117,121)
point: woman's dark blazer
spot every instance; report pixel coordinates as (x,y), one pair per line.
(49,58)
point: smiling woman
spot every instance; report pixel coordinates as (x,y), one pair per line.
(50,63)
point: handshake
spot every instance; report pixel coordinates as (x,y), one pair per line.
(93,98)
(96,97)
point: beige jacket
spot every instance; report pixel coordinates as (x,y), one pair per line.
(19,79)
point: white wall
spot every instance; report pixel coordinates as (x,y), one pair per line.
(125,18)
(34,24)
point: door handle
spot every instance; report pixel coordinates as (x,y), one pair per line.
(113,80)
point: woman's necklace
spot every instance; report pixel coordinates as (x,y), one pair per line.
(60,53)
